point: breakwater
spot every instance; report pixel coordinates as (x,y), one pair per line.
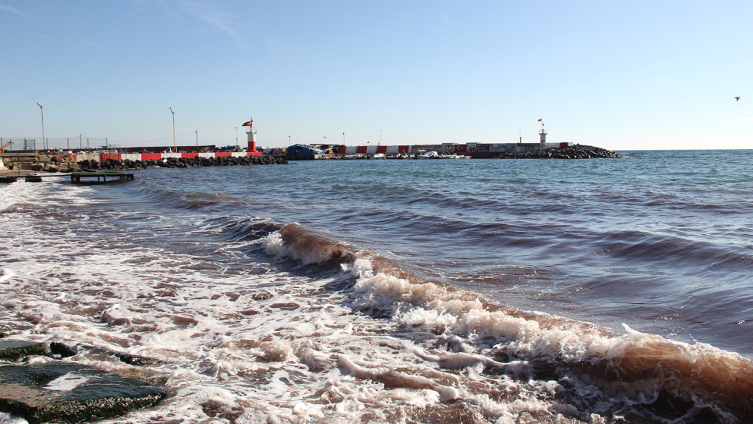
(182,162)
(576,151)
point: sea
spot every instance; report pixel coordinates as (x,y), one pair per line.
(402,291)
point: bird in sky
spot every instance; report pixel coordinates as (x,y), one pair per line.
(737,98)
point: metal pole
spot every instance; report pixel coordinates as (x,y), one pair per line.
(176,147)
(43,140)
(236,136)
(197,140)
(80,143)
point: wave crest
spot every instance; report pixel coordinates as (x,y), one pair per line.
(640,365)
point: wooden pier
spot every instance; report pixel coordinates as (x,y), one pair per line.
(101,177)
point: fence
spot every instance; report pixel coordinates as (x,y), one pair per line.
(72,143)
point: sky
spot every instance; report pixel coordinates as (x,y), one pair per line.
(616,74)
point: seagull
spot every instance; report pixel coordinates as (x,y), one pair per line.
(737,98)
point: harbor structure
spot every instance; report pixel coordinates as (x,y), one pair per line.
(542,136)
(251,149)
(474,150)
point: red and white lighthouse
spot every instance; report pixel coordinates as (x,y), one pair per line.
(251,150)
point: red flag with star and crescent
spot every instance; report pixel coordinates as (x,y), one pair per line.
(248,124)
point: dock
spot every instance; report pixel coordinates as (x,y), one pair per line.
(101,177)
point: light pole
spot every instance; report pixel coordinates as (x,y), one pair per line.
(44,143)
(174,146)
(236,136)
(380,136)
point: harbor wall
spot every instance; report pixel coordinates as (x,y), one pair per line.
(471,149)
(101,157)
(450,148)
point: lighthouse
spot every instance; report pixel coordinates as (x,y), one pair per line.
(542,137)
(251,151)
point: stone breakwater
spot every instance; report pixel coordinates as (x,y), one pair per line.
(576,151)
(115,164)
(32,162)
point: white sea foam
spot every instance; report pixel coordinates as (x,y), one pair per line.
(274,246)
(67,382)
(6,418)
(5,275)
(49,193)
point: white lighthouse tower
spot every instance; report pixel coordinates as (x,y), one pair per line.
(542,137)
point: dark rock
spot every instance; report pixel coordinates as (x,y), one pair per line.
(62,350)
(123,357)
(136,360)
(16,350)
(59,392)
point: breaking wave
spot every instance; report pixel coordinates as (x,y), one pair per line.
(638,373)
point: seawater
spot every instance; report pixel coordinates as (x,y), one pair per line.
(503,291)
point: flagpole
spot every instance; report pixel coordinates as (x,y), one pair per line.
(174,145)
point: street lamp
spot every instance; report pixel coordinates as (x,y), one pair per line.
(44,143)
(174,146)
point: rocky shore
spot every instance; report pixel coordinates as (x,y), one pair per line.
(41,382)
(577,151)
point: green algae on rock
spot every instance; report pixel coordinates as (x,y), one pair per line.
(60,392)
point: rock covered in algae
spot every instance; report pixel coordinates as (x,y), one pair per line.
(71,393)
(16,350)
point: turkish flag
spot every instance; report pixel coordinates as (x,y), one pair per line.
(248,124)
(539,121)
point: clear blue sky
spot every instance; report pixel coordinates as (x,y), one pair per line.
(614,74)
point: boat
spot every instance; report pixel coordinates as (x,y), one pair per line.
(431,154)
(453,156)
(399,155)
